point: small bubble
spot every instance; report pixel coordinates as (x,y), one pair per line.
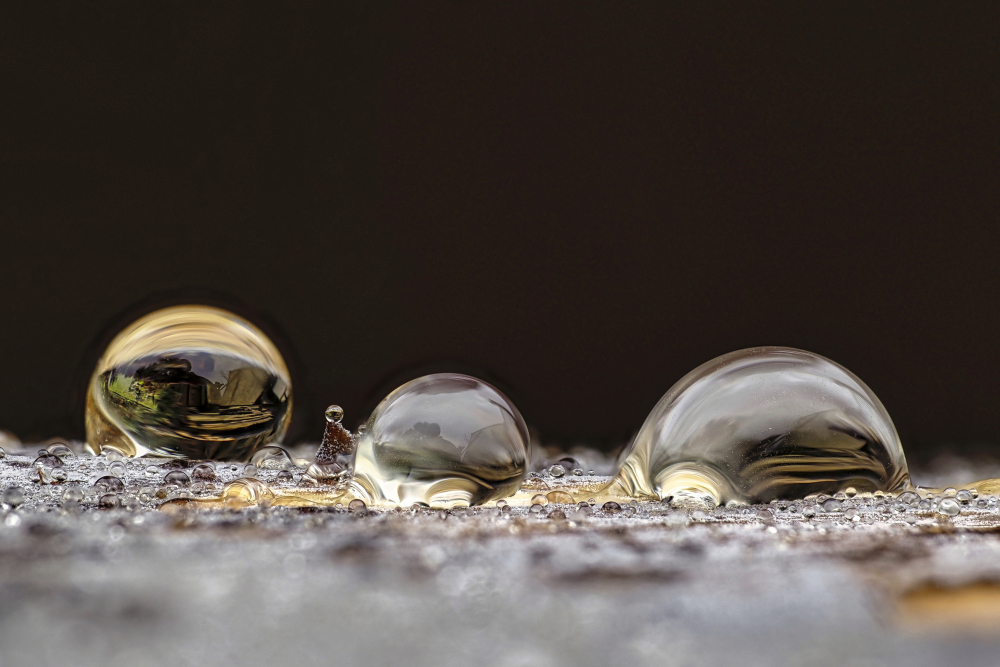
(852,515)
(357,503)
(974,492)
(112,455)
(283,476)
(559,497)
(949,507)
(501,503)
(557,470)
(46,460)
(131,503)
(578,472)
(249,470)
(840,495)
(72,493)
(557,515)
(964,497)
(832,505)
(591,473)
(177,477)
(13,496)
(850,492)
(611,507)
(203,472)
(539,499)
(908,498)
(809,511)
(981,503)
(271,457)
(109,483)
(59,475)
(334,413)
(61,450)
(949,492)
(536,508)
(108,501)
(117,469)
(152,471)
(765,515)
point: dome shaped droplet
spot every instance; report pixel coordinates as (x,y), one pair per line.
(761,424)
(190,381)
(442,440)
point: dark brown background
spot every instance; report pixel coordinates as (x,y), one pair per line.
(578,201)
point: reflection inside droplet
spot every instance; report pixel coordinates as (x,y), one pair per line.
(760,424)
(188,381)
(443,440)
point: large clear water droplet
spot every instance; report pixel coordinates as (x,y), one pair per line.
(442,440)
(761,424)
(190,381)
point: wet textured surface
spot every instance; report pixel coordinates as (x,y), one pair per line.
(860,582)
(189,381)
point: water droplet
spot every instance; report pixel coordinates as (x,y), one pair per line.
(850,492)
(335,414)
(908,498)
(559,497)
(832,505)
(47,461)
(13,496)
(765,515)
(964,497)
(191,380)
(272,457)
(72,494)
(611,507)
(59,475)
(539,499)
(283,476)
(557,470)
(109,484)
(760,424)
(113,455)
(501,503)
(108,501)
(356,504)
(578,472)
(949,492)
(203,471)
(177,477)
(444,440)
(117,469)
(949,507)
(249,470)
(61,450)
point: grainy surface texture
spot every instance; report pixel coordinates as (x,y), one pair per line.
(649,585)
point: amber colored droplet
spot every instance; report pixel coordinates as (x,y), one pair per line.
(560,498)
(190,381)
